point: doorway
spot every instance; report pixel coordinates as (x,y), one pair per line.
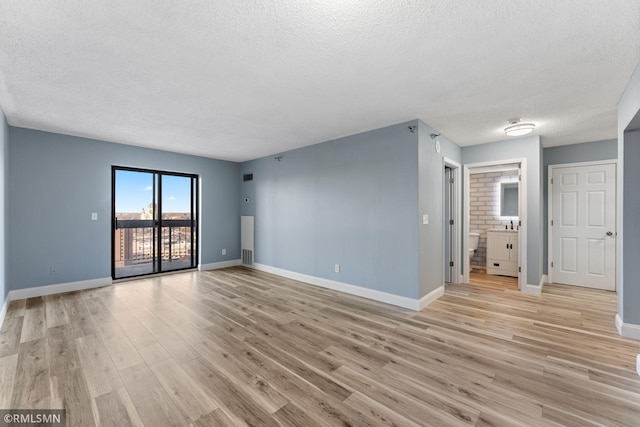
(154,222)
(452,221)
(501,234)
(582,226)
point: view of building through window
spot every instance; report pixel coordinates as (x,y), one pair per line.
(154,222)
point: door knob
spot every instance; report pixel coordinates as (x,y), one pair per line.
(609,233)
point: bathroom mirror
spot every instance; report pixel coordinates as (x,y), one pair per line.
(509,199)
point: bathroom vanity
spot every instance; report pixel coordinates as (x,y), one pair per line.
(502,252)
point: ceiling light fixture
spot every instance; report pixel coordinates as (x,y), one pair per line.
(516,128)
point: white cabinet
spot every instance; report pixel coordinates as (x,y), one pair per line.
(502,253)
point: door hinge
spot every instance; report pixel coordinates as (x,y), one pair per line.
(519,223)
(552,223)
(519,269)
(519,177)
(551,264)
(450,263)
(450,222)
(450,180)
(551,181)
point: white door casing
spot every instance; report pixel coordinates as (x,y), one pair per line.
(522,217)
(583,225)
(456,214)
(448,226)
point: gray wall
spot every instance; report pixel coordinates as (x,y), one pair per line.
(431,201)
(631,212)
(529,148)
(352,201)
(575,153)
(629,231)
(358,202)
(4,163)
(56,181)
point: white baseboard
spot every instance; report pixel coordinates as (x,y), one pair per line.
(430,297)
(400,301)
(627,330)
(217,265)
(534,290)
(58,288)
(3,310)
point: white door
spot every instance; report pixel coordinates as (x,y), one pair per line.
(584,226)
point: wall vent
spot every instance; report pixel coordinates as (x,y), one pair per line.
(247,177)
(247,257)
(246,239)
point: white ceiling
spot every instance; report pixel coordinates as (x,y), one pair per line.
(239,80)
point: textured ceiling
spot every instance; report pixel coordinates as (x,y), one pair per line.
(230,80)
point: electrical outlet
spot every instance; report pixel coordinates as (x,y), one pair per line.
(337,268)
(52,271)
(224,252)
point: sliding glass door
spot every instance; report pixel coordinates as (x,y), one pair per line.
(154,222)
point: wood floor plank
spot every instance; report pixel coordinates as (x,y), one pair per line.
(187,394)
(100,371)
(225,357)
(138,335)
(34,325)
(16,308)
(10,335)
(215,418)
(179,349)
(300,368)
(70,392)
(82,324)
(323,408)
(63,354)
(481,395)
(98,311)
(56,311)
(291,415)
(122,352)
(8,365)
(278,338)
(31,388)
(152,403)
(413,404)
(552,414)
(237,405)
(381,414)
(115,409)
(153,353)
(237,346)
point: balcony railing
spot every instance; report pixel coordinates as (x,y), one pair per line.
(138,243)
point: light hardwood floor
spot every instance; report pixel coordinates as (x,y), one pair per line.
(240,347)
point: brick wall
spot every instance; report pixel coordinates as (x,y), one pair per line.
(484,208)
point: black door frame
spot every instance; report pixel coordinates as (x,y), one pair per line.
(157,224)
